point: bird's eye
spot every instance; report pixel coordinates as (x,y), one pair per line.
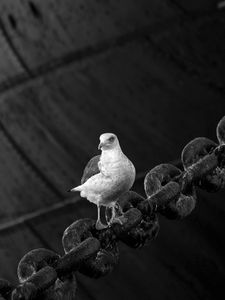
(111,139)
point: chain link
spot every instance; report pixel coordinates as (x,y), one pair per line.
(170,191)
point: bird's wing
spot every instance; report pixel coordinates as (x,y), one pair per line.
(97,183)
(91,169)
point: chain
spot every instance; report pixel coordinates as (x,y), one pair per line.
(170,191)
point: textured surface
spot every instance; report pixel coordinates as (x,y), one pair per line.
(150,71)
(49,29)
(9,64)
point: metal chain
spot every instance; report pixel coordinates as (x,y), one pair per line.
(170,191)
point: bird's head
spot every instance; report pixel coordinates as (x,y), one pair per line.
(108,141)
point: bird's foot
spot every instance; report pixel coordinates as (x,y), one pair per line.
(99,225)
(119,220)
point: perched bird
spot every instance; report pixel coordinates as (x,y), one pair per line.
(106,177)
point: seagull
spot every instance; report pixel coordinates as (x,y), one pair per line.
(106,177)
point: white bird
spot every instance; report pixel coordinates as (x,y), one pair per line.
(107,177)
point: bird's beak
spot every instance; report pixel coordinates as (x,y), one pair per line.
(100,146)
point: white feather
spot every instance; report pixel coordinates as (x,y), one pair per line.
(117,175)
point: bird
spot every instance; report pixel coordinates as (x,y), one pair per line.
(106,177)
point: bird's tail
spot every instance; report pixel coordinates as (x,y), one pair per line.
(76,189)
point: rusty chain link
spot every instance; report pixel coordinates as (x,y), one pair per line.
(170,191)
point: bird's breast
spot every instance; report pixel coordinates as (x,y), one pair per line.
(118,169)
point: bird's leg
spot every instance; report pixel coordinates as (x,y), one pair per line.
(115,217)
(99,224)
(113,213)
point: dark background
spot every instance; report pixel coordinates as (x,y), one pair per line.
(151,71)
